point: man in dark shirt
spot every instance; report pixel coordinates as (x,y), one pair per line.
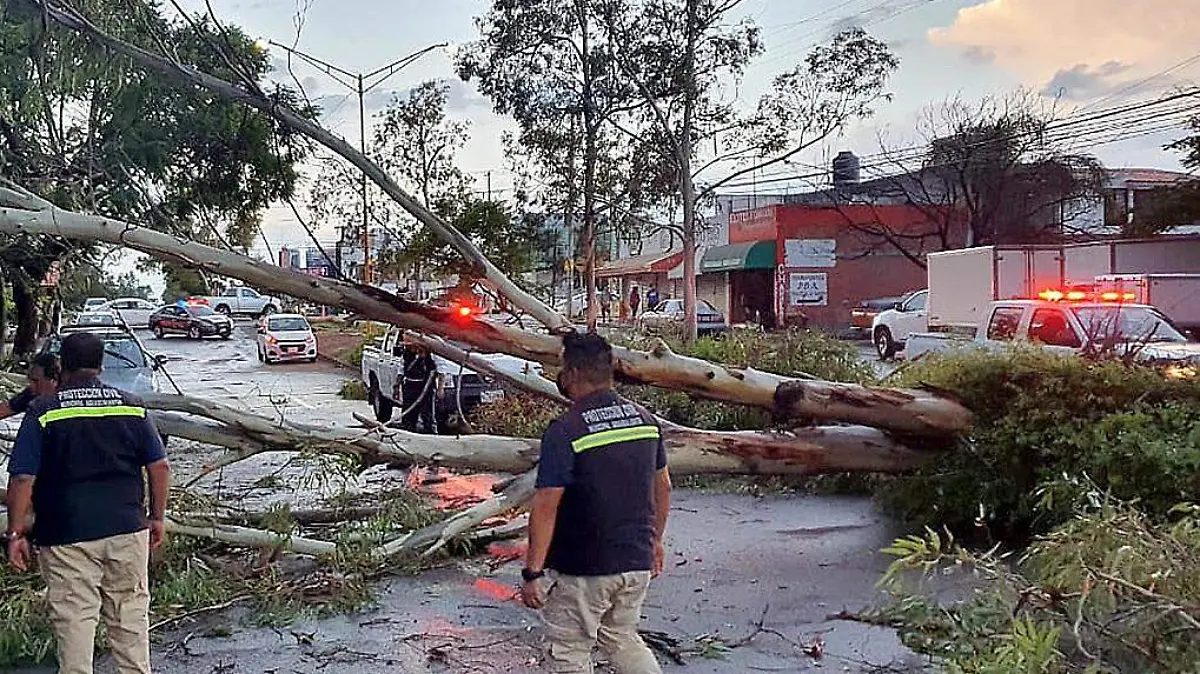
(43,380)
(603,494)
(79,461)
(418,390)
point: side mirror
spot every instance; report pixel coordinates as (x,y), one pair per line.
(159,361)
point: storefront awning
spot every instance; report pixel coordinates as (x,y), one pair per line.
(651,263)
(739,256)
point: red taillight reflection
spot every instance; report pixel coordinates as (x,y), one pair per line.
(464,311)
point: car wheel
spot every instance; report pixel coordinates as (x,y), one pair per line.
(194,333)
(885,346)
(383,408)
(225,335)
(159,333)
(222,309)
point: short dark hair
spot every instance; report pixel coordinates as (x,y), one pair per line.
(48,364)
(589,355)
(81,351)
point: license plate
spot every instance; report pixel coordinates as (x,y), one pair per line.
(491,396)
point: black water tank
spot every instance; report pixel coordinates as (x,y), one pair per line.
(845,169)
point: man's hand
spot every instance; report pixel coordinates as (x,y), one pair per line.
(18,553)
(659,558)
(158,533)
(532,595)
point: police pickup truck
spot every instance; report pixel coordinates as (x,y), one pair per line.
(458,389)
(1071,322)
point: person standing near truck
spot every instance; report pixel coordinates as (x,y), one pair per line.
(81,460)
(419,388)
(599,513)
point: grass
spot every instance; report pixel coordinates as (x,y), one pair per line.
(353,389)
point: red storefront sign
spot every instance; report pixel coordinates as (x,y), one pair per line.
(758,224)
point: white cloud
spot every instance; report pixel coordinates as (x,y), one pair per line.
(1096,45)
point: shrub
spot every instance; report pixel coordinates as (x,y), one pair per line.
(1044,424)
(521,415)
(353,389)
(1109,591)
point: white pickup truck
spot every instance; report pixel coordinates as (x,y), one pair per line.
(1070,327)
(460,389)
(240,300)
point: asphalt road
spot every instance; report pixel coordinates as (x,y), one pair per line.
(733,559)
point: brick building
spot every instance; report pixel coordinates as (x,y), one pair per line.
(795,264)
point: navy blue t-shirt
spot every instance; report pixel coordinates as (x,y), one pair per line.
(604,453)
(86,447)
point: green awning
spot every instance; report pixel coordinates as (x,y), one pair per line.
(739,256)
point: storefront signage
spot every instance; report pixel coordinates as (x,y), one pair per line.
(808,290)
(753,225)
(806,253)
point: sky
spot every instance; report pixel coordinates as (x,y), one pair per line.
(1088,54)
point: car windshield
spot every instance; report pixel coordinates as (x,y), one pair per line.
(1128,324)
(120,353)
(94,302)
(290,324)
(95,319)
(200,311)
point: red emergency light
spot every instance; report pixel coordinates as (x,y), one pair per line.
(1118,297)
(1052,295)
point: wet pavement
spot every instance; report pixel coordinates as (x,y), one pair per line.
(733,560)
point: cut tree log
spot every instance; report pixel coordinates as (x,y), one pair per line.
(906,411)
(806,451)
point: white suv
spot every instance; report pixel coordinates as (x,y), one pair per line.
(891,328)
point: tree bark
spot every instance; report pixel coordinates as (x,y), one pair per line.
(911,412)
(687,186)
(690,451)
(3,313)
(25,302)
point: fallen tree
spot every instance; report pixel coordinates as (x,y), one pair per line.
(906,411)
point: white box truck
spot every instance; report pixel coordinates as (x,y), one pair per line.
(1176,295)
(964,283)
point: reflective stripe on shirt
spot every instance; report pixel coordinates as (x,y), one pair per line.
(612,437)
(62,413)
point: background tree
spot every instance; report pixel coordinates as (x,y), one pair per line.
(994,172)
(1167,207)
(684,55)
(87,129)
(509,241)
(546,64)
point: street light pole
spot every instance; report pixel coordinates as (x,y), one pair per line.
(357,82)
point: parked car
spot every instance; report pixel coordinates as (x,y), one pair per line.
(862,316)
(135,312)
(382,371)
(97,319)
(93,302)
(890,329)
(668,315)
(239,300)
(127,365)
(195,321)
(285,337)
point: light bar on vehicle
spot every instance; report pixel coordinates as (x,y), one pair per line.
(1052,295)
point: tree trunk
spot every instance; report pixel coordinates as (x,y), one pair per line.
(687,187)
(25,301)
(911,412)
(591,130)
(3,313)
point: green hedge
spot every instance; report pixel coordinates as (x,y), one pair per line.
(1046,428)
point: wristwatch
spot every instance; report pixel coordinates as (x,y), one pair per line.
(529,575)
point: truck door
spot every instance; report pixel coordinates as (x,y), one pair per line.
(1051,329)
(389,365)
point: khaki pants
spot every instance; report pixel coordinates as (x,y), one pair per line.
(107,578)
(583,612)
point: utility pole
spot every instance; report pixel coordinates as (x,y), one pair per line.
(361,85)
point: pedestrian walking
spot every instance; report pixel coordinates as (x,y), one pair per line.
(80,461)
(599,513)
(43,380)
(652,299)
(419,390)
(635,302)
